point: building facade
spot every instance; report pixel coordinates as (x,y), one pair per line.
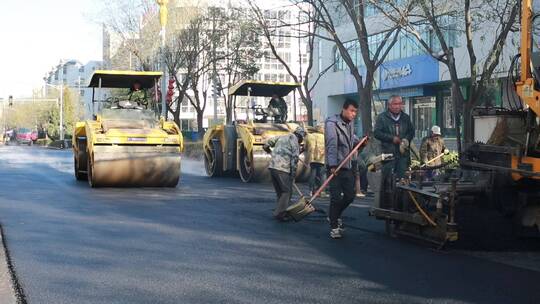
(293,51)
(408,71)
(75,76)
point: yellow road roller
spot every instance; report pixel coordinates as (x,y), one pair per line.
(126,144)
(236,148)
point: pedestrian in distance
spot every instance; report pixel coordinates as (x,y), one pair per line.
(432,146)
(285,151)
(395,131)
(314,156)
(340,140)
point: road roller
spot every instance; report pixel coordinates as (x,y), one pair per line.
(237,148)
(126,144)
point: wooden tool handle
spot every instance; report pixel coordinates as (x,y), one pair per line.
(327,181)
(297,189)
(433,159)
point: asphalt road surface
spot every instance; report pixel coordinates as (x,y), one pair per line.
(213,241)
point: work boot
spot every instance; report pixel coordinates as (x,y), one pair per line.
(282,217)
(335,233)
(339,223)
(360,194)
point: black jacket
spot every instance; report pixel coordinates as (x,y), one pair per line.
(385,130)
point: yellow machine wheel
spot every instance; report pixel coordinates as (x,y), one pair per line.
(80,176)
(247,169)
(90,171)
(213,160)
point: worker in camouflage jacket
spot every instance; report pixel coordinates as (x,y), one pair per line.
(395,131)
(285,151)
(432,146)
(138,94)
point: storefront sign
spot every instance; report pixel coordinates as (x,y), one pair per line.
(421,105)
(397,73)
(407,72)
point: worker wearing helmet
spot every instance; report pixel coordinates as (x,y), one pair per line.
(285,151)
(432,146)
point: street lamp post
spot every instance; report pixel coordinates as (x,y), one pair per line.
(163,15)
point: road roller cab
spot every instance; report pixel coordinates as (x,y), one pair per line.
(126,143)
(237,148)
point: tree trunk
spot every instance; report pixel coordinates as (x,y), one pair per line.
(467,122)
(176,117)
(365,110)
(308,102)
(200,118)
(457,99)
(309,109)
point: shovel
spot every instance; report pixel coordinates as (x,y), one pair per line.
(432,160)
(305,207)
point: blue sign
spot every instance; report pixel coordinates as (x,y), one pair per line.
(408,72)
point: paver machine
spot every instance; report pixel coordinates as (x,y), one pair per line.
(126,144)
(236,148)
(499,171)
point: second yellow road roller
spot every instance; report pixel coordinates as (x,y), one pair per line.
(126,144)
(236,148)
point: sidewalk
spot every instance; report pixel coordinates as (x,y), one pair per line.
(7,292)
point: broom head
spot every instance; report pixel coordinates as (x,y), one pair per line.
(300,210)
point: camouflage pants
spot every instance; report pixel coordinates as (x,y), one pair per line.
(282,182)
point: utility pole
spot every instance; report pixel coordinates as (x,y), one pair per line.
(163,14)
(79,101)
(215,75)
(62,103)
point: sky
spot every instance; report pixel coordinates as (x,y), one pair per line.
(36,34)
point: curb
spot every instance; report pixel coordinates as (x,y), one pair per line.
(11,291)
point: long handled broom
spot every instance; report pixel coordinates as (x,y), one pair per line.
(305,207)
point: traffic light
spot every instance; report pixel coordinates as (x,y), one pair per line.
(216,90)
(170,91)
(10,100)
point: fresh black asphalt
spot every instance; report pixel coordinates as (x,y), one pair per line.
(213,241)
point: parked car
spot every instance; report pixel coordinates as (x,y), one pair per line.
(26,136)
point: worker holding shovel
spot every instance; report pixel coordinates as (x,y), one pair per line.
(431,151)
(340,141)
(285,151)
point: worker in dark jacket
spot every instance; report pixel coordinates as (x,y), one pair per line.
(340,140)
(395,131)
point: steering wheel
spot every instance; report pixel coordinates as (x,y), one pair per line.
(113,100)
(140,102)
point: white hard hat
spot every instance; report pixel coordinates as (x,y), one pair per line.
(436,130)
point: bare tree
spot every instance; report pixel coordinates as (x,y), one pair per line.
(188,60)
(274,29)
(329,15)
(237,53)
(472,18)
(134,25)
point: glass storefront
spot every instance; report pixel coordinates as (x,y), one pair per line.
(423,115)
